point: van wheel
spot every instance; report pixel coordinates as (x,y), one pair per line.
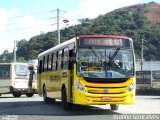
(65,104)
(16,94)
(114,107)
(29,94)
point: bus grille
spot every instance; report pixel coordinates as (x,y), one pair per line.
(143,81)
(106,90)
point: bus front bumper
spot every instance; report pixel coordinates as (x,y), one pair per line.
(21,90)
(101,99)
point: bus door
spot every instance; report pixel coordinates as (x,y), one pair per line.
(67,71)
(71,69)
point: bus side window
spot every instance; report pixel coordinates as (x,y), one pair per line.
(65,59)
(60,60)
(43,68)
(47,64)
(51,61)
(40,66)
(54,61)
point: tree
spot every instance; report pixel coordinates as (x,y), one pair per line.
(6,57)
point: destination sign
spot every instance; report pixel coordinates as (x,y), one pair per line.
(105,42)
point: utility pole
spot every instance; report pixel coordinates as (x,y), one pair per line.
(142,42)
(58,30)
(58,26)
(15,44)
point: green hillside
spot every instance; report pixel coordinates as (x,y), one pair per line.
(140,21)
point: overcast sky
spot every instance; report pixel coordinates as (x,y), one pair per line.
(22,19)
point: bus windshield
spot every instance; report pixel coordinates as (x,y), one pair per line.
(143,77)
(105,63)
(4,71)
(156,74)
(21,70)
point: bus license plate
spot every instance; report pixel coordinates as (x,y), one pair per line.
(106,98)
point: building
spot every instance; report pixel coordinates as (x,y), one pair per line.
(148,65)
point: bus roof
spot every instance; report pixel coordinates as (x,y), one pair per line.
(78,37)
(103,36)
(57,47)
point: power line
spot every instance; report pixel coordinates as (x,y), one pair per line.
(26,28)
(28,21)
(38,13)
(17,23)
(5,48)
(23,22)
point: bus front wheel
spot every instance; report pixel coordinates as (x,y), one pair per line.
(65,104)
(16,94)
(114,106)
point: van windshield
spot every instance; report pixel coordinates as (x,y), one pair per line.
(21,70)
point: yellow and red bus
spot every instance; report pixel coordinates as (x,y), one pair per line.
(89,70)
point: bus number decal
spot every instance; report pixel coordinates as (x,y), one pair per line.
(53,78)
(64,74)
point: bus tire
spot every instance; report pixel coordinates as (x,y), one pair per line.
(65,104)
(15,94)
(45,98)
(114,106)
(29,94)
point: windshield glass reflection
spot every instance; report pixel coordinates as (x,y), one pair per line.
(105,63)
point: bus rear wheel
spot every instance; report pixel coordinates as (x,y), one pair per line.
(16,94)
(45,98)
(114,106)
(29,94)
(65,104)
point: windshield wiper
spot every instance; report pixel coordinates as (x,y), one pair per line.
(94,51)
(113,56)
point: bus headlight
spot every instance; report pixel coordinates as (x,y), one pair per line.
(131,87)
(80,86)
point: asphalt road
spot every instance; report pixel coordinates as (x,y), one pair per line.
(24,108)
